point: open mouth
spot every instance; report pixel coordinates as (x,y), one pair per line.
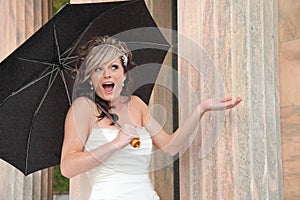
(108,87)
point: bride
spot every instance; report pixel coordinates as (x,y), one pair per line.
(105,119)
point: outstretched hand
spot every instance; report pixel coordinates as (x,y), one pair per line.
(219,104)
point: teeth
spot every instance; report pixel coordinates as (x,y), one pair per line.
(108,83)
(108,86)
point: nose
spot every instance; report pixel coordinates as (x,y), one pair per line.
(106,73)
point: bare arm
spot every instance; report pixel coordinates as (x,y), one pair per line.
(173,143)
(74,160)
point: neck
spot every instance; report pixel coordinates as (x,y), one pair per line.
(119,103)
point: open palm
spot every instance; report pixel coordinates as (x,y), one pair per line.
(219,104)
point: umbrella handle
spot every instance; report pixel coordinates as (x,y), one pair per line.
(135,143)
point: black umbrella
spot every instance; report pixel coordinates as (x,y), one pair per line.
(36,79)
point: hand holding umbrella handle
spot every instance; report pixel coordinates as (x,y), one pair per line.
(135,143)
(131,130)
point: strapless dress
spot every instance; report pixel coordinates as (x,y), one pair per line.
(125,174)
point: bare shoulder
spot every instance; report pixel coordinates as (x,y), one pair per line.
(82,107)
(83,101)
(138,100)
(138,103)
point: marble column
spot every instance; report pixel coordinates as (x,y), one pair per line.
(289,67)
(164,179)
(19,19)
(239,43)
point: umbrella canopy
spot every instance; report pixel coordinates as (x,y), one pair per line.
(36,79)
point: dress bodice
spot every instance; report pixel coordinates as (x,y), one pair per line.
(129,160)
(126,169)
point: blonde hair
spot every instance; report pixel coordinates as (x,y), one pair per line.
(99,52)
(96,53)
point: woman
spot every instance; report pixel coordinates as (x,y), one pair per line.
(96,146)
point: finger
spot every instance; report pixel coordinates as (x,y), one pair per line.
(237,101)
(224,100)
(230,106)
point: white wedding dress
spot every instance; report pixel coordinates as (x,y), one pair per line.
(124,175)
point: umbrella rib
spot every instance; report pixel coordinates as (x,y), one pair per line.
(77,41)
(66,87)
(66,66)
(72,61)
(69,49)
(39,62)
(56,43)
(68,58)
(50,78)
(62,60)
(26,86)
(33,118)
(150,44)
(46,93)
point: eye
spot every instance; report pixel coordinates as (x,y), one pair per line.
(114,67)
(99,69)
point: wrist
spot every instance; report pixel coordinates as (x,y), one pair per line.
(201,110)
(116,144)
(119,144)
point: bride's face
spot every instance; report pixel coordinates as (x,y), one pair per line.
(107,80)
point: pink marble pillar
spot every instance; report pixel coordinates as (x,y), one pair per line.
(243,159)
(289,67)
(19,19)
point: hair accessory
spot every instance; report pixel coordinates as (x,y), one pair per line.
(123,57)
(124,60)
